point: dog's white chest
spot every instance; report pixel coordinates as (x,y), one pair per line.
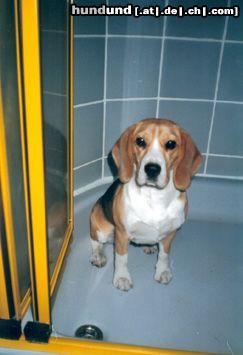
(151,214)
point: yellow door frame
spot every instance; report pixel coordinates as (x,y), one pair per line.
(34,134)
(27,298)
(43,285)
(69,346)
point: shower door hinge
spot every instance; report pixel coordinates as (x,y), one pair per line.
(10,329)
(36,332)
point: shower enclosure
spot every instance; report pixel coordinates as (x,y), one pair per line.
(70,85)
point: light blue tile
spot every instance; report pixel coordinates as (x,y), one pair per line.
(88,133)
(218,200)
(88,69)
(133,66)
(87,174)
(54,61)
(55,135)
(107,170)
(231,78)
(190,69)
(196,26)
(110,168)
(201,169)
(129,25)
(54,14)
(225,166)
(122,114)
(227,130)
(89,24)
(56,155)
(194,117)
(235,28)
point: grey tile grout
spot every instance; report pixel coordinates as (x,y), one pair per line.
(151,99)
(230,156)
(216,89)
(88,103)
(86,164)
(161,63)
(105,94)
(132,99)
(45,92)
(62,32)
(217,176)
(227,156)
(173,38)
(109,179)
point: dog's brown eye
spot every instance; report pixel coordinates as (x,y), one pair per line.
(170,145)
(140,142)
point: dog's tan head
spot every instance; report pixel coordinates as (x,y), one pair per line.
(151,149)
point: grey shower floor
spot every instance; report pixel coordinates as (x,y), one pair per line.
(201,309)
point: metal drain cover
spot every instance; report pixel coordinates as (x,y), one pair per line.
(89,331)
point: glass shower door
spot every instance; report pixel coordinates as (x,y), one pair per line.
(12,158)
(54,45)
(48,118)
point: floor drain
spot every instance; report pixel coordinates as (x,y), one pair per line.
(89,331)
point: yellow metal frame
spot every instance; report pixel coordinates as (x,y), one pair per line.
(33,112)
(27,298)
(32,87)
(67,346)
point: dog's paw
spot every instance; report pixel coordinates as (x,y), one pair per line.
(122,281)
(123,284)
(98,259)
(150,250)
(164,276)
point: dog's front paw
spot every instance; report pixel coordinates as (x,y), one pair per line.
(150,250)
(123,282)
(164,276)
(98,259)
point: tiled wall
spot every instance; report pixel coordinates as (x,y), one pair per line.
(53,44)
(187,69)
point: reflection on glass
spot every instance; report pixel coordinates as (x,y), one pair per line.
(8,77)
(54,71)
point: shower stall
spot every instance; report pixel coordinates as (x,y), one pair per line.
(70,85)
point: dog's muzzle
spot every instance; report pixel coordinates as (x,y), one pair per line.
(152,170)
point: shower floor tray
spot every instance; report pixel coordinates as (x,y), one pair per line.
(201,309)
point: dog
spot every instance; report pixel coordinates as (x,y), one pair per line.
(147,204)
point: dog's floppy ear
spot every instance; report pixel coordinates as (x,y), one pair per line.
(122,153)
(188,162)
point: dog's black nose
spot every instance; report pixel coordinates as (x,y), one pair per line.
(152,170)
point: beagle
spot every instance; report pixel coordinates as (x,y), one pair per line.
(156,160)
